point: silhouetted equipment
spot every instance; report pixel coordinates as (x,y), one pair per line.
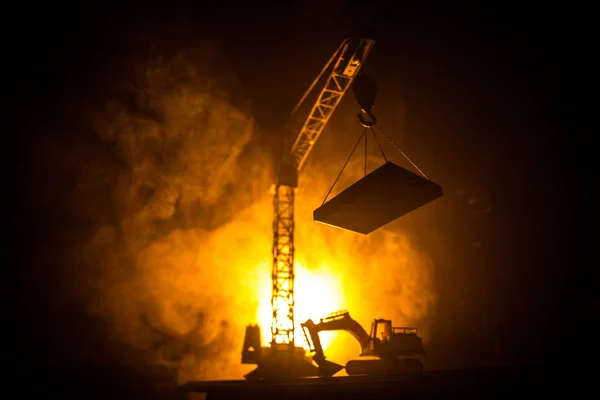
(397,348)
(379,198)
(252,352)
(383,195)
(283,359)
(277,362)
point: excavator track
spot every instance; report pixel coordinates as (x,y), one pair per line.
(384,367)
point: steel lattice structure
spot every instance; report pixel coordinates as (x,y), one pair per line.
(347,61)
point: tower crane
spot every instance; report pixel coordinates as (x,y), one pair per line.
(283,358)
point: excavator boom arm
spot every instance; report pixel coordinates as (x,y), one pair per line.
(340,321)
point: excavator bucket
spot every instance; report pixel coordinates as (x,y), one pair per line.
(379,198)
(328,368)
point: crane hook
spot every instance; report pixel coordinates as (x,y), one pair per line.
(364,122)
(365,91)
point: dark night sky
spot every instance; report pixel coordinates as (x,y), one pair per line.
(503,85)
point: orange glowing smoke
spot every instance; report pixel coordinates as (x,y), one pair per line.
(164,260)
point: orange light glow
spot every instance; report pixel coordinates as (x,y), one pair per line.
(191,250)
(317,293)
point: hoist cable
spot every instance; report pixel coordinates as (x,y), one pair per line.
(378,144)
(401,152)
(345,164)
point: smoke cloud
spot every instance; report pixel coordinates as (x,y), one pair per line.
(165,282)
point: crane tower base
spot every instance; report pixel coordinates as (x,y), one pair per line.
(379,198)
(282,364)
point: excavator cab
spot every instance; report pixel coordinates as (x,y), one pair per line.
(384,328)
(388,341)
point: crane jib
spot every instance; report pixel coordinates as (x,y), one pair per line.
(345,68)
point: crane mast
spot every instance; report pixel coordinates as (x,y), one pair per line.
(347,61)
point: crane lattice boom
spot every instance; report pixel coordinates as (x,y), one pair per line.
(347,61)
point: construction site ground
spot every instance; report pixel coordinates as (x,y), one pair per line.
(494,382)
(498,382)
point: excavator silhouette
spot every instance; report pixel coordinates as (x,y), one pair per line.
(397,350)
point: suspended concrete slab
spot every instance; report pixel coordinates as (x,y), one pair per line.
(379,198)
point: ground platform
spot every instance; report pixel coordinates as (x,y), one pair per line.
(496,382)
